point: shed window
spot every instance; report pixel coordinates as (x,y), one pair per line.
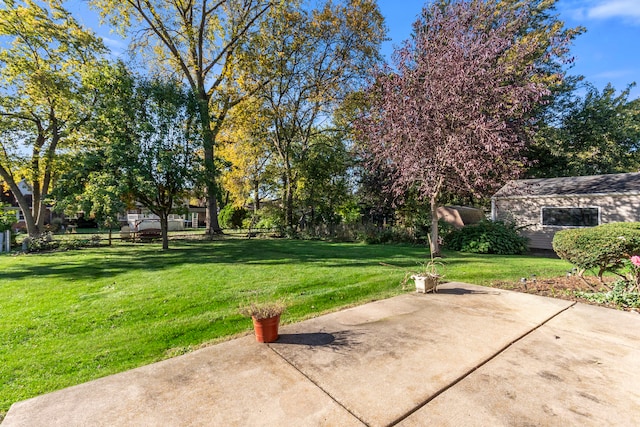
(570,217)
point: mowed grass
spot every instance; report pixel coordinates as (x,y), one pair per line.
(69,317)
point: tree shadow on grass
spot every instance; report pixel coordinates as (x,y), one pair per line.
(116,260)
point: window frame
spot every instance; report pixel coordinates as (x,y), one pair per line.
(597,208)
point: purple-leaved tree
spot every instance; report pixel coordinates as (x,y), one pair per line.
(451,117)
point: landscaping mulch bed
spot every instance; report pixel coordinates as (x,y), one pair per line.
(560,287)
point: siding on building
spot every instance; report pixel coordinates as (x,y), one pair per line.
(618,202)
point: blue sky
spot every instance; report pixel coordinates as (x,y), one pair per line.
(608,52)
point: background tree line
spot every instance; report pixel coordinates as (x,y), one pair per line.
(260,104)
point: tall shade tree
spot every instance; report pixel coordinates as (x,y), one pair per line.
(151,139)
(47,61)
(451,117)
(320,56)
(141,148)
(204,42)
(597,133)
(323,187)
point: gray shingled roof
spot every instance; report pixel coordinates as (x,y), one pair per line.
(620,183)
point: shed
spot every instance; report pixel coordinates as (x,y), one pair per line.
(459,216)
(542,207)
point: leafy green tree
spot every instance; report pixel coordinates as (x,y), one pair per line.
(47,63)
(323,185)
(154,146)
(209,44)
(96,193)
(142,149)
(320,56)
(597,133)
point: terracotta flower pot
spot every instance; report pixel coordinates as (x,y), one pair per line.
(266,329)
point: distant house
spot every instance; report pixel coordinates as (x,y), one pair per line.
(542,207)
(140,217)
(8,198)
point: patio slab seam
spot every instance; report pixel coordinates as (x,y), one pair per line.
(591,334)
(475,368)
(318,386)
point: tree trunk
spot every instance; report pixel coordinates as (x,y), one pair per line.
(32,228)
(39,214)
(288,200)
(434,243)
(211,216)
(313,216)
(164,229)
(43,188)
(435,235)
(256,196)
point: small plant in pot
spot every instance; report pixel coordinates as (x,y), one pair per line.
(428,277)
(266,319)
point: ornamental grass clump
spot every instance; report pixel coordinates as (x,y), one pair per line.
(430,271)
(431,267)
(261,311)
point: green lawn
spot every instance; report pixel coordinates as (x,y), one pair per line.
(69,317)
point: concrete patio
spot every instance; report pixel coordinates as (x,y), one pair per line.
(468,355)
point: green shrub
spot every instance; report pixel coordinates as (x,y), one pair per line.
(350,213)
(249,222)
(445,229)
(55,225)
(487,237)
(231,216)
(383,235)
(415,234)
(42,243)
(606,247)
(45,243)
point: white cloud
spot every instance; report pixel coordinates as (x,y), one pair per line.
(613,74)
(626,9)
(117,46)
(114,44)
(576,10)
